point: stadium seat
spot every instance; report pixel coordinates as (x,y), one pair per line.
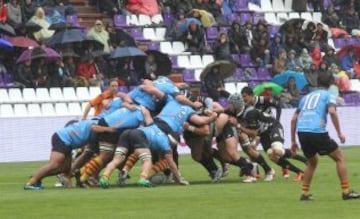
(94,92)
(293,15)
(153,45)
(256,17)
(250,74)
(83,106)
(74,109)
(189,75)
(157,19)
(168,18)
(196,62)
(144,20)
(15,95)
(34,109)
(166,47)
(245,60)
(29,95)
(20,110)
(6,110)
(123,89)
(178,47)
(197,74)
(266,5)
(132,20)
(69,94)
(241,6)
(264,74)
(288,5)
(149,34)
(120,20)
(355,85)
(317,16)
(212,33)
(207,59)
(253,7)
(273,30)
(47,109)
(271,18)
(61,109)
(56,94)
(42,95)
(279,6)
(4,96)
(183,61)
(245,17)
(239,75)
(136,33)
(174,62)
(160,33)
(282,17)
(306,16)
(232,18)
(82,93)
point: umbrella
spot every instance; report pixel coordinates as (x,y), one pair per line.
(38,52)
(22,41)
(162,61)
(325,27)
(123,38)
(282,79)
(68,53)
(67,36)
(97,45)
(275,88)
(226,69)
(122,52)
(62,26)
(98,53)
(289,25)
(6,45)
(7,29)
(183,25)
(207,19)
(28,27)
(343,51)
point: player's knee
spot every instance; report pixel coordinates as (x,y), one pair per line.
(106,147)
(277,148)
(145,156)
(120,152)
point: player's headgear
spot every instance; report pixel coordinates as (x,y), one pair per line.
(237,101)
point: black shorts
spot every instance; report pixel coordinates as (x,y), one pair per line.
(316,143)
(228,132)
(273,134)
(59,146)
(109,137)
(133,139)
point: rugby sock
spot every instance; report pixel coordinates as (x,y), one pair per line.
(345,187)
(32,181)
(91,167)
(159,166)
(144,175)
(208,163)
(176,156)
(305,189)
(261,161)
(216,154)
(244,166)
(130,162)
(286,164)
(298,157)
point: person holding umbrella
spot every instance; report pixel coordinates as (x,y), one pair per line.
(214,84)
(99,33)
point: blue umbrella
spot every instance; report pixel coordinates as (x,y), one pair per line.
(282,79)
(6,45)
(182,26)
(67,36)
(122,52)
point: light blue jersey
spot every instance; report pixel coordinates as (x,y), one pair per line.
(77,134)
(124,118)
(313,111)
(175,114)
(115,104)
(145,99)
(157,138)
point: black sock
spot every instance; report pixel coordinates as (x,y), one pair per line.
(261,161)
(298,157)
(208,163)
(287,165)
(216,154)
(244,166)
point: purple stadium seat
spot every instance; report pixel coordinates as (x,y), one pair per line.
(245,60)
(137,33)
(339,43)
(252,84)
(236,58)
(73,20)
(245,17)
(352,41)
(119,20)
(241,6)
(233,17)
(153,46)
(168,18)
(239,74)
(223,102)
(257,17)
(123,89)
(189,75)
(264,74)
(251,74)
(273,30)
(174,62)
(224,29)
(212,33)
(348,98)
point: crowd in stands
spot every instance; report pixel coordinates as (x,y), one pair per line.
(298,45)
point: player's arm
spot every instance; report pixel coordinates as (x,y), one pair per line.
(184,100)
(101,129)
(270,101)
(201,130)
(335,120)
(94,102)
(252,133)
(252,125)
(202,120)
(86,111)
(294,145)
(174,170)
(151,89)
(147,116)
(124,97)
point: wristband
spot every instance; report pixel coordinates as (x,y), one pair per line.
(238,125)
(191,128)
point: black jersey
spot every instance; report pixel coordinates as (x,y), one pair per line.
(264,104)
(255,119)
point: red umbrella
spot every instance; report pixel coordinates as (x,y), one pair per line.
(22,41)
(343,51)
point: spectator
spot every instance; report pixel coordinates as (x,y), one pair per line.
(63,7)
(184,7)
(198,4)
(222,48)
(248,33)
(350,21)
(311,76)
(318,5)
(194,37)
(58,76)
(108,7)
(70,68)
(290,96)
(330,56)
(14,13)
(347,61)
(324,68)
(292,63)
(316,57)
(40,19)
(309,32)
(40,71)
(24,75)
(260,32)
(260,53)
(276,45)
(150,68)
(214,84)
(28,10)
(341,78)
(330,18)
(3,12)
(237,39)
(279,64)
(321,36)
(215,9)
(98,33)
(173,32)
(305,60)
(299,5)
(86,72)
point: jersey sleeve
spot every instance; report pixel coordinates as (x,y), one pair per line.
(251,119)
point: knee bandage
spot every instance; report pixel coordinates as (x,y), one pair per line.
(144,156)
(119,152)
(277,148)
(106,147)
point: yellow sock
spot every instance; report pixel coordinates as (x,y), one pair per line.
(130,162)
(305,189)
(345,187)
(143,175)
(32,181)
(90,168)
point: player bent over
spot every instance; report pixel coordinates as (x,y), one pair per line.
(310,122)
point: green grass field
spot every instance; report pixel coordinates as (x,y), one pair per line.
(228,199)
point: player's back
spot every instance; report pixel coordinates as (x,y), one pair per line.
(165,85)
(313,111)
(115,104)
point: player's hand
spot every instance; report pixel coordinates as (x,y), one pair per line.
(342,138)
(197,105)
(132,107)
(184,183)
(294,147)
(186,125)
